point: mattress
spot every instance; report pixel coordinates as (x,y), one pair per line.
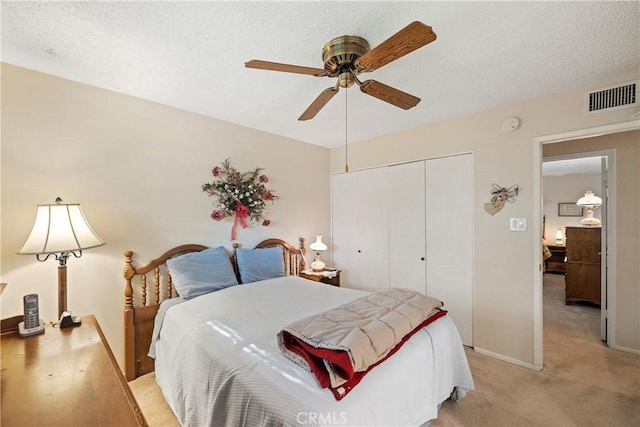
(218,363)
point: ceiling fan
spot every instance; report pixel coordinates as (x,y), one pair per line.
(346,57)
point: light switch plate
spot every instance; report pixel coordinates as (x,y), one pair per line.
(518,224)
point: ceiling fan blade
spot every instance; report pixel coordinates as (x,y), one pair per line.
(388,94)
(275,66)
(318,103)
(408,39)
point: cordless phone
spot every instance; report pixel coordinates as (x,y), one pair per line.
(32,323)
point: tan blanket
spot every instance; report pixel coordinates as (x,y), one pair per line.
(340,343)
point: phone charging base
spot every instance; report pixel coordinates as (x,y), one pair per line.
(69,320)
(24,332)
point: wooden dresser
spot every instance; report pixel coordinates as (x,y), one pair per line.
(583,264)
(65,377)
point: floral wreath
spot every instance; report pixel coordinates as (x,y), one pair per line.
(239,194)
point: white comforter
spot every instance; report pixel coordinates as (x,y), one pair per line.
(218,363)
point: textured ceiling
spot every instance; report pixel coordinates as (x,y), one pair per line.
(191,55)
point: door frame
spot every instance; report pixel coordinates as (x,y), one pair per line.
(538,142)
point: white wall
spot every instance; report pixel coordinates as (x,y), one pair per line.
(563,189)
(136,168)
(503,269)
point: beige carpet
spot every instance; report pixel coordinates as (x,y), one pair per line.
(583,382)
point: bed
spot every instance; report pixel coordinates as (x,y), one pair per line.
(217,361)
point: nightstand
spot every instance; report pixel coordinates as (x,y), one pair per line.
(320,277)
(556,263)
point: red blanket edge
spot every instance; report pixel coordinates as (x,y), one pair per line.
(339,359)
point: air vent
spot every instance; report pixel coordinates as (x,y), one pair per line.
(612,98)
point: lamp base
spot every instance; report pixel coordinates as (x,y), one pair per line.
(590,222)
(317,266)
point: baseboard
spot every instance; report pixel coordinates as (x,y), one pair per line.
(507,359)
(626,350)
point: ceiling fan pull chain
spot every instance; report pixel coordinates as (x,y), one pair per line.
(346,137)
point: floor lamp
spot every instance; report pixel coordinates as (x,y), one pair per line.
(60,230)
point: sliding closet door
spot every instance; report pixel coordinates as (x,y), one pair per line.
(344,220)
(373,229)
(360,228)
(449,221)
(407,226)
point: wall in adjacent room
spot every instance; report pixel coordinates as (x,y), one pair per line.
(566,189)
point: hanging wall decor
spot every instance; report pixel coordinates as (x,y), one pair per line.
(242,195)
(500,195)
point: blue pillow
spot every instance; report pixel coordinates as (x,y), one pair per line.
(260,264)
(198,273)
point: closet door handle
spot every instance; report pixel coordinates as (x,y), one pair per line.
(422,259)
(359,251)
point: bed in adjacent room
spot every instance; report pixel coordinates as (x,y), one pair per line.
(217,358)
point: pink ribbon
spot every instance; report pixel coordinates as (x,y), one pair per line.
(241,219)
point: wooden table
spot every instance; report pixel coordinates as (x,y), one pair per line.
(65,377)
(316,277)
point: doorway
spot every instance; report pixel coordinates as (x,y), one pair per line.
(565,179)
(537,230)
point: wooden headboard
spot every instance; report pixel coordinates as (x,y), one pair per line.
(142,300)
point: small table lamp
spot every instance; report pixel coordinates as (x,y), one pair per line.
(318,247)
(60,230)
(591,202)
(559,237)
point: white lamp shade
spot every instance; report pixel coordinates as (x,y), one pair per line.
(318,246)
(60,228)
(589,199)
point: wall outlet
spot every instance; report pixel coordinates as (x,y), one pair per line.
(518,224)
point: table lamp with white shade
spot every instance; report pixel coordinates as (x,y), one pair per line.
(591,202)
(318,247)
(60,230)
(559,236)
